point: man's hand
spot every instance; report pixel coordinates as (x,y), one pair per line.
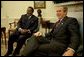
(24,30)
(27,30)
(68,53)
(20,29)
(37,34)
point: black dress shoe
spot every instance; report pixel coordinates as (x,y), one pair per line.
(7,54)
(15,54)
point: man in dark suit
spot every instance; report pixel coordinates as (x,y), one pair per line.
(63,40)
(25,28)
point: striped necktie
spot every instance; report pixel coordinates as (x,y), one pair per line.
(56,25)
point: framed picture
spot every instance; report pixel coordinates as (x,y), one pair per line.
(39,4)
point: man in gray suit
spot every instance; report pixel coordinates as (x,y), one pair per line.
(63,40)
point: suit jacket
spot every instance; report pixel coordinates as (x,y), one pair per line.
(26,23)
(67,34)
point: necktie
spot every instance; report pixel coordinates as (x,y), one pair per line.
(27,17)
(56,25)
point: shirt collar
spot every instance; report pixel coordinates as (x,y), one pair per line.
(29,16)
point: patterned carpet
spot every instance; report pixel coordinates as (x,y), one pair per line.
(4,47)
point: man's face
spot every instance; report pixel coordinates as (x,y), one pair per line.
(29,11)
(60,12)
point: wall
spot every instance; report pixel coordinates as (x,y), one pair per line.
(14,9)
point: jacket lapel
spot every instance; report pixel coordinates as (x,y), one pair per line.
(28,21)
(60,25)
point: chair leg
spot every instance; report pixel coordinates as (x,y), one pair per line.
(1,37)
(8,33)
(5,37)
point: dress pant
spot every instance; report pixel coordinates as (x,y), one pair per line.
(30,47)
(34,48)
(19,38)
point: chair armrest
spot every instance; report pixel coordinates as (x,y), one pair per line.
(10,24)
(80,50)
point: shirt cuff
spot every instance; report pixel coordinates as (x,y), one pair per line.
(19,29)
(71,49)
(29,30)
